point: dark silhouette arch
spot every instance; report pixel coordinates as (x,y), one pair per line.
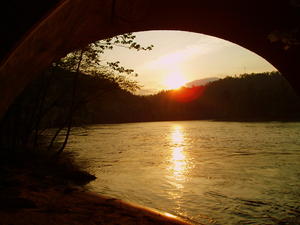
(36,33)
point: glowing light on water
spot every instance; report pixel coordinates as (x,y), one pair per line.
(178,157)
(179,163)
(177,136)
(169,215)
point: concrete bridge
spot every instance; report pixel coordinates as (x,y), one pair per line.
(34,33)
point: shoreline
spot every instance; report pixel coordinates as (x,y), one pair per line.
(191,120)
(68,206)
(35,191)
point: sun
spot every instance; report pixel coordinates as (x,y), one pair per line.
(174,80)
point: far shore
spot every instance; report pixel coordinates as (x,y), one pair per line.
(191,120)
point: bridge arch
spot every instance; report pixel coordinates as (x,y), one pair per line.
(72,24)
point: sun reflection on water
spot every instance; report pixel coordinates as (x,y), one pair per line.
(178,157)
(177,135)
(179,163)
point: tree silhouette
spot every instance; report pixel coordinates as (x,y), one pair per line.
(49,96)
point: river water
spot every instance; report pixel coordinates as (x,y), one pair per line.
(210,172)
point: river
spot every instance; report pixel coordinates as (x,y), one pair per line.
(210,172)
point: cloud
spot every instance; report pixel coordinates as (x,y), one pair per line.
(174,58)
(200,47)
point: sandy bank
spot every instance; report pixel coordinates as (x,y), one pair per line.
(36,191)
(76,207)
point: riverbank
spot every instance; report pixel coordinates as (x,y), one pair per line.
(35,193)
(57,206)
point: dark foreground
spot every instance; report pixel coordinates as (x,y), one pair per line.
(37,193)
(54,206)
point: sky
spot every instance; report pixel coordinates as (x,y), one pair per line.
(179,57)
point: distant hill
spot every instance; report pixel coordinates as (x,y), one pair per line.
(248,97)
(201,82)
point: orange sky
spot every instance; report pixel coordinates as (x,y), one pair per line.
(185,56)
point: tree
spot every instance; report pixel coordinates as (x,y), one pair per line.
(53,98)
(88,60)
(91,62)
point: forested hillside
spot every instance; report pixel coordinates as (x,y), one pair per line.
(248,97)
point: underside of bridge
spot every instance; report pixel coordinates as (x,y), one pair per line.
(35,33)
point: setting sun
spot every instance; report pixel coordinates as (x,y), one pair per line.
(175,80)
